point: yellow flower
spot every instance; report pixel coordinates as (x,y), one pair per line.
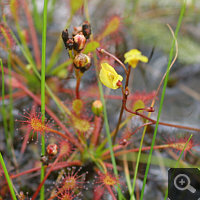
(109,76)
(133,56)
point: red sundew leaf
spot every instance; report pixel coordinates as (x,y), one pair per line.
(24,144)
(71,181)
(107,179)
(75,5)
(6,37)
(67,195)
(65,149)
(178,144)
(98,192)
(111,27)
(33,120)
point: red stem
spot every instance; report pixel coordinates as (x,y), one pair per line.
(58,166)
(123,104)
(78,80)
(45,178)
(111,192)
(16,95)
(162,123)
(97,130)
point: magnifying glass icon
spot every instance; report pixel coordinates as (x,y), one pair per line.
(182,182)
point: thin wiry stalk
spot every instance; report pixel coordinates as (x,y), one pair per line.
(162,98)
(42,196)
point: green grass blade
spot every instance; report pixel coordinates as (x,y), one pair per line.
(36,16)
(108,136)
(3,110)
(11,117)
(162,100)
(10,185)
(42,196)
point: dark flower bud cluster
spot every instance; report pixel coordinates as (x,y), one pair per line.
(79,37)
(76,43)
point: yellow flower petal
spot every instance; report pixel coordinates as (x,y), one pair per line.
(109,77)
(133,56)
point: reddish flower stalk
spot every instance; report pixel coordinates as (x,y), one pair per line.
(162,123)
(114,57)
(111,192)
(97,130)
(24,144)
(125,95)
(16,95)
(178,146)
(45,178)
(124,140)
(78,81)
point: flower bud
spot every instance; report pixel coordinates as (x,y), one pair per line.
(97,107)
(65,37)
(69,44)
(79,42)
(82,62)
(86,28)
(52,149)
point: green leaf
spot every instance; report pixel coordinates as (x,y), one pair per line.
(91,46)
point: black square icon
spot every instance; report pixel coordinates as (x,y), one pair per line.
(184,184)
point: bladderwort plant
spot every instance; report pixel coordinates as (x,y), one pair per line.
(77,160)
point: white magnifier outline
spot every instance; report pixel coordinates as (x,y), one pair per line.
(187,187)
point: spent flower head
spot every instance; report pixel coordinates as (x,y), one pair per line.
(133,56)
(109,77)
(82,62)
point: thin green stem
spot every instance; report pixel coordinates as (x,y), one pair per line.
(43,90)
(10,185)
(105,113)
(162,100)
(3,110)
(11,118)
(36,16)
(109,136)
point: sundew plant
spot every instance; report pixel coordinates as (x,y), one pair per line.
(99,99)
